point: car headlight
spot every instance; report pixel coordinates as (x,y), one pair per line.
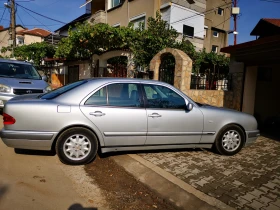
(5,89)
(48,89)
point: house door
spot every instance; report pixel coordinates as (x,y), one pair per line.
(73,73)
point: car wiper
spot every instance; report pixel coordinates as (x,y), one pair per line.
(6,76)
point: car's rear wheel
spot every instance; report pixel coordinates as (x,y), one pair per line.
(230,140)
(76,146)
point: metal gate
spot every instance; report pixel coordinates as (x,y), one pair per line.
(116,70)
(167,69)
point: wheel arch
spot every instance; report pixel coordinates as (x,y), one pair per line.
(99,139)
(231,124)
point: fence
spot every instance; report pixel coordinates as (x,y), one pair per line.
(211,82)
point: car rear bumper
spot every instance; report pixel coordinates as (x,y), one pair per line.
(252,137)
(4,98)
(28,139)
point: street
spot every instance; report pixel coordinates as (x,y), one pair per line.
(39,181)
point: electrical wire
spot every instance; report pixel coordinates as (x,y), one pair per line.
(20,20)
(201,14)
(271,1)
(3,14)
(37,20)
(40,14)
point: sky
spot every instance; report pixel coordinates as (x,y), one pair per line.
(67,10)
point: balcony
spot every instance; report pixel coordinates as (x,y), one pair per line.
(98,17)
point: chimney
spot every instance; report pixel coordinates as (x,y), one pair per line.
(1,28)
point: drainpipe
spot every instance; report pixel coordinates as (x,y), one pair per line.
(243,86)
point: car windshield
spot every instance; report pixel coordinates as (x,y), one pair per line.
(20,71)
(64,89)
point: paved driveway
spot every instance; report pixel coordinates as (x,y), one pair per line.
(248,180)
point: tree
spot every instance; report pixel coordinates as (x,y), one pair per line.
(88,39)
(34,52)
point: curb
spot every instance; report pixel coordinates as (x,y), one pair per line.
(202,196)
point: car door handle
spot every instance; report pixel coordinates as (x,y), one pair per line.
(154,115)
(97,114)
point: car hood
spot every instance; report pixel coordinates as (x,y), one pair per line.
(17,83)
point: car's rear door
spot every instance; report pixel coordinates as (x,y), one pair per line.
(169,123)
(118,112)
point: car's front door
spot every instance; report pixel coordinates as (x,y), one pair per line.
(118,112)
(169,122)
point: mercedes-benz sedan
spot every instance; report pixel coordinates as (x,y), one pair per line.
(117,114)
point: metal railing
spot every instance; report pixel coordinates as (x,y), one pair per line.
(211,82)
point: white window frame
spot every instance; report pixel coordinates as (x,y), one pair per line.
(217,35)
(205,31)
(186,34)
(110,4)
(222,11)
(216,48)
(141,16)
(117,25)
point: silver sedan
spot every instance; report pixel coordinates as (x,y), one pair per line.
(107,115)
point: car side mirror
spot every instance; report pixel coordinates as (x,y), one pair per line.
(189,107)
(44,78)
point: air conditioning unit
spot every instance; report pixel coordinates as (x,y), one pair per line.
(235,10)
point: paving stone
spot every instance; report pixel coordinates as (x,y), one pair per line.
(251,178)
(271,207)
(226,199)
(249,197)
(237,183)
(265,200)
(201,182)
(264,189)
(256,205)
(270,185)
(277,202)
(257,193)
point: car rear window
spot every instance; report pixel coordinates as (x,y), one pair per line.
(62,90)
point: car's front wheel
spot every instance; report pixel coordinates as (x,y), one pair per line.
(76,146)
(230,140)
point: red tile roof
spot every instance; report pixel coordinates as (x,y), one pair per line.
(273,21)
(35,32)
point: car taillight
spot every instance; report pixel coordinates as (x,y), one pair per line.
(8,120)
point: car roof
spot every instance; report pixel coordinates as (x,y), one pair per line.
(118,79)
(14,61)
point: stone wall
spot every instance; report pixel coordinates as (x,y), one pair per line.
(182,79)
(211,97)
(221,98)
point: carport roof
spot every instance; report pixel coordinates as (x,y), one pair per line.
(261,51)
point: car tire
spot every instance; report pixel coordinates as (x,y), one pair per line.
(230,140)
(76,146)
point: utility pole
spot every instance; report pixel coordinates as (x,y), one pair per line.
(13,22)
(235,23)
(12,30)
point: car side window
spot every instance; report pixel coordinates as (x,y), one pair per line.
(162,97)
(99,98)
(120,95)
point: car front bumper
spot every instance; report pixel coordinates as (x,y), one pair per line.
(28,139)
(252,137)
